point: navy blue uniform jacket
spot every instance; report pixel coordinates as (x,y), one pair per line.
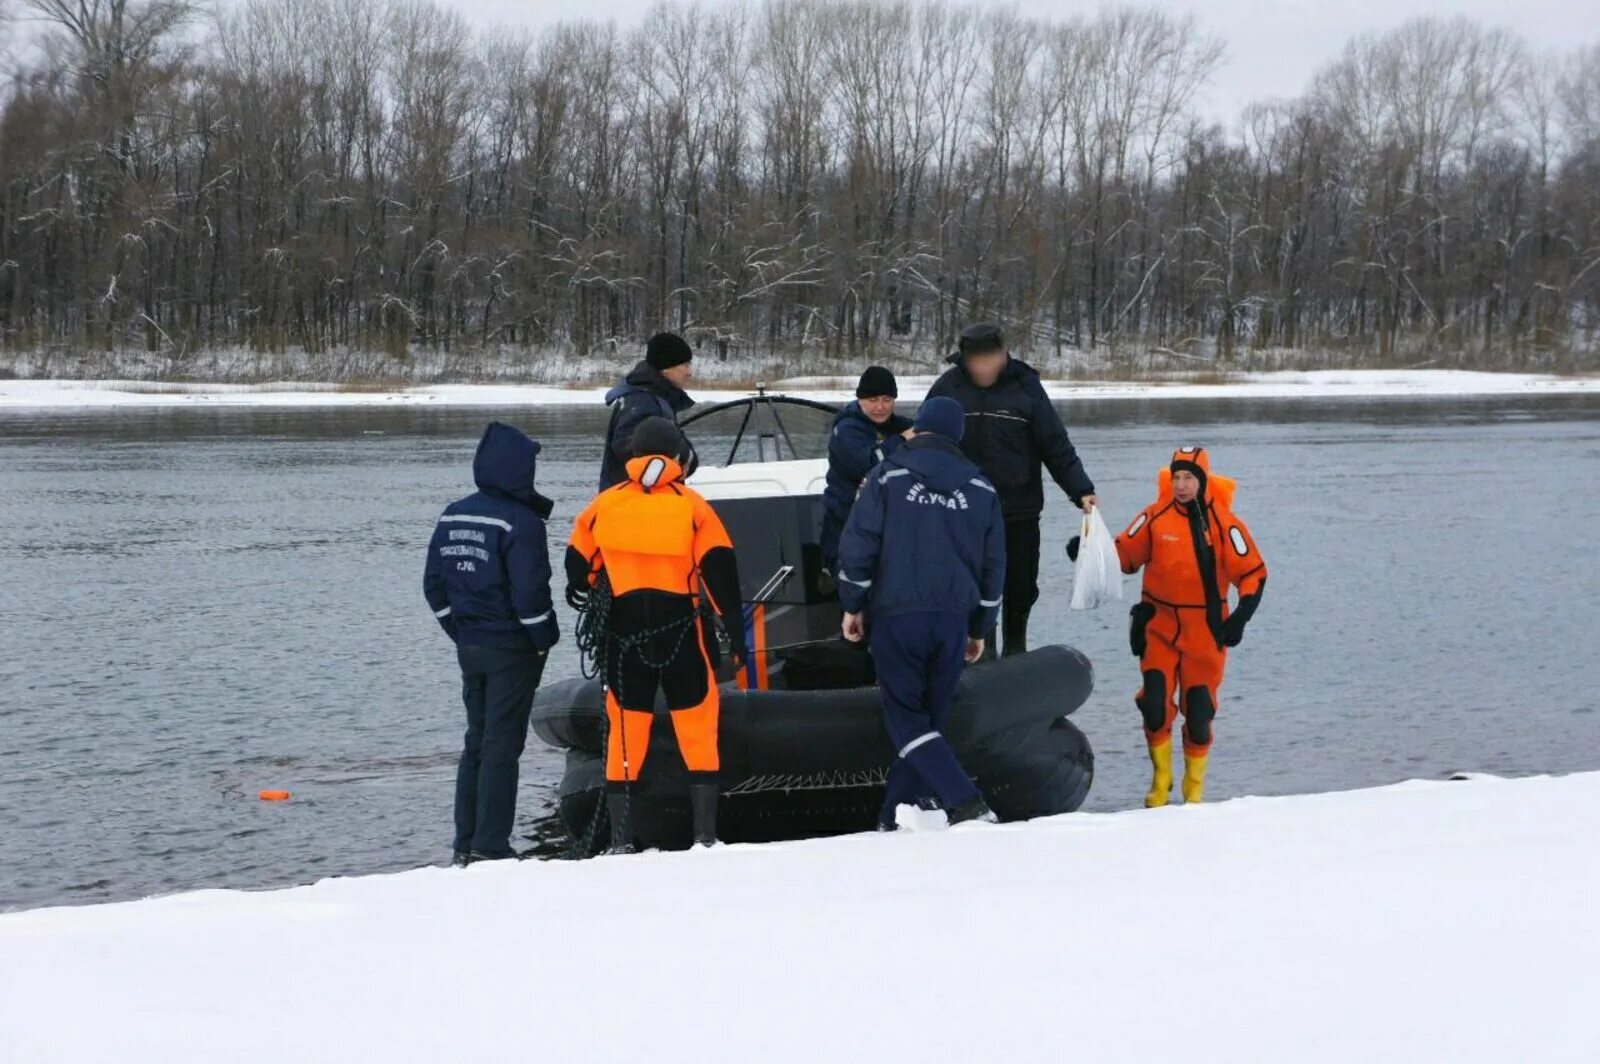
(487,579)
(925,536)
(643,393)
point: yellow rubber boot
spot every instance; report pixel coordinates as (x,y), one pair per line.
(1194,776)
(1161,777)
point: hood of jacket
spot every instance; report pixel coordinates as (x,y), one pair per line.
(505,465)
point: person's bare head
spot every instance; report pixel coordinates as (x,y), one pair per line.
(983,353)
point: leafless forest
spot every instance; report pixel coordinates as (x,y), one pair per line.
(813,181)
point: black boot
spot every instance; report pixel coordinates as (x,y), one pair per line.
(977,809)
(461,859)
(703,800)
(621,825)
(1014,629)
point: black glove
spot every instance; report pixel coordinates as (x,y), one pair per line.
(577,598)
(1139,619)
(1232,633)
(1072,548)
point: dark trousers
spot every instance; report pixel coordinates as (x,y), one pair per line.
(497,686)
(919,657)
(1022,583)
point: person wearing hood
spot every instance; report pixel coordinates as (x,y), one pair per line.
(487,581)
(864,433)
(921,568)
(1013,431)
(653,388)
(647,553)
(1193,548)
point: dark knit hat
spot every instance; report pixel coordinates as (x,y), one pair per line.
(875,382)
(942,416)
(666,350)
(657,435)
(981,338)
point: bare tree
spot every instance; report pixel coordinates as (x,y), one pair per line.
(853,178)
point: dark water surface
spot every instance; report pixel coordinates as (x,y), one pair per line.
(199,604)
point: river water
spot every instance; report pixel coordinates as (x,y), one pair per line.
(200,604)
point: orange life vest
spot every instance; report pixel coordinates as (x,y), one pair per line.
(650,532)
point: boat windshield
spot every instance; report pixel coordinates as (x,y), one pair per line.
(760,428)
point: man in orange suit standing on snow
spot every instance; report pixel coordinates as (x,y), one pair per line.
(1192,548)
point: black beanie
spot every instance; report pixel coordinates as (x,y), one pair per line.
(875,382)
(666,350)
(981,338)
(657,435)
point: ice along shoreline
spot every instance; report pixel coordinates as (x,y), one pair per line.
(1328,384)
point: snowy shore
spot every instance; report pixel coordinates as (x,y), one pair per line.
(1330,384)
(1424,921)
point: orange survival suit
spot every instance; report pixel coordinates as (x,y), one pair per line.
(1182,627)
(659,546)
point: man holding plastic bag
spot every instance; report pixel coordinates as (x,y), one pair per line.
(1192,548)
(1012,435)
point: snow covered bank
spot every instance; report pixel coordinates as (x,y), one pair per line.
(1426,921)
(58,394)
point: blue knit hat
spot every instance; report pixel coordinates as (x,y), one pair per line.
(942,416)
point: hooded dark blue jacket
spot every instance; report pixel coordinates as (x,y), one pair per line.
(1013,429)
(488,572)
(926,535)
(643,393)
(855,445)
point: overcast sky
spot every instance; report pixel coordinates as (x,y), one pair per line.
(1273,45)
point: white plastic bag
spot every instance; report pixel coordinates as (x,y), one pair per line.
(1097,577)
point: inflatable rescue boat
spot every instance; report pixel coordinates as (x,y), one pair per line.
(803,748)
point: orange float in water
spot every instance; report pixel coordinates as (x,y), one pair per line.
(274,796)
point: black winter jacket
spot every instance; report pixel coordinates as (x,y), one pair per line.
(1012,430)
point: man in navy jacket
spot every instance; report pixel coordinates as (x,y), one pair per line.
(653,388)
(864,434)
(923,557)
(1013,430)
(487,580)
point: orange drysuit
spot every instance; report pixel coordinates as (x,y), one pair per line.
(1183,625)
(660,545)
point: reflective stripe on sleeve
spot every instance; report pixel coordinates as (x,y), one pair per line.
(474,519)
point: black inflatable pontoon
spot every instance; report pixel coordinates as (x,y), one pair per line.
(799,764)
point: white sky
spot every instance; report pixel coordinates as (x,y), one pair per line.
(1273,45)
